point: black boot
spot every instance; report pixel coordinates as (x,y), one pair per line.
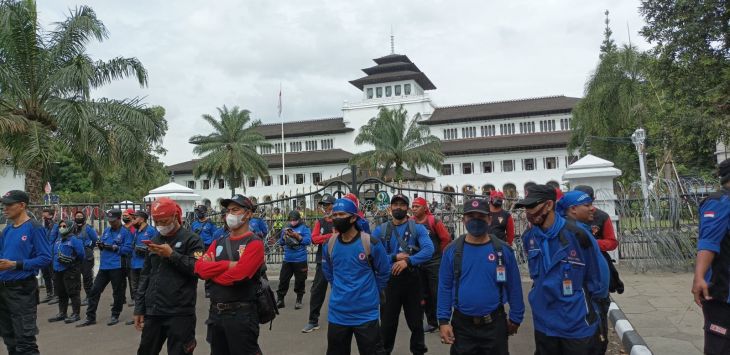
(72,319)
(280,303)
(87,322)
(57,318)
(114,320)
(49,296)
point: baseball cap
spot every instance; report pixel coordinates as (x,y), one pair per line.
(201,208)
(294,215)
(240,200)
(15,196)
(329,199)
(476,205)
(113,214)
(537,194)
(400,197)
(141,213)
(129,211)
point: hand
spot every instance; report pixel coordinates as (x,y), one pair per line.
(6,264)
(401,256)
(232,264)
(398,267)
(164,250)
(447,334)
(296,235)
(512,327)
(700,290)
(207,257)
(138,322)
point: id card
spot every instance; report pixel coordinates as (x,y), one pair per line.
(501,274)
(567,287)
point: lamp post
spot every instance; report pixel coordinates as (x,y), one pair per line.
(638,138)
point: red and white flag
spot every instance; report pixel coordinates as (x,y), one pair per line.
(47,188)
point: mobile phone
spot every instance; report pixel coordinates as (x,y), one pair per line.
(147,242)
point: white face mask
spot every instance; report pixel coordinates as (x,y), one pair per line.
(234,221)
(165,230)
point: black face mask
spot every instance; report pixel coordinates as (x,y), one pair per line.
(538,218)
(80,221)
(126,220)
(48,222)
(200,215)
(399,213)
(342,225)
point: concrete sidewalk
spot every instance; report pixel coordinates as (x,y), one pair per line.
(660,307)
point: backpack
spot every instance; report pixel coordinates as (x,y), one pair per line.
(364,240)
(498,245)
(584,240)
(388,227)
(265,299)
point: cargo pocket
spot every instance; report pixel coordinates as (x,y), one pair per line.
(28,325)
(533,262)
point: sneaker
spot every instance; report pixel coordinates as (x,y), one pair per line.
(298,305)
(72,319)
(85,302)
(129,322)
(429,328)
(57,318)
(113,321)
(53,300)
(310,328)
(48,298)
(130,304)
(87,322)
(280,303)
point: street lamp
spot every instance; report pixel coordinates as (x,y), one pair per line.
(638,138)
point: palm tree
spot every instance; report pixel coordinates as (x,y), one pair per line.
(230,151)
(46,80)
(398,141)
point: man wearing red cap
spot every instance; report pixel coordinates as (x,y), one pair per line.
(164,308)
(503,226)
(128,220)
(440,238)
(362,222)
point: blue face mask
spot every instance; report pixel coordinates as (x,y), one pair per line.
(476,227)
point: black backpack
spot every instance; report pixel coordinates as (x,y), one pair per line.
(498,245)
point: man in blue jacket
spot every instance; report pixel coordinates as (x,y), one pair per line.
(68,253)
(47,272)
(88,237)
(408,245)
(711,285)
(203,226)
(478,275)
(568,273)
(23,251)
(114,242)
(295,237)
(358,268)
(142,232)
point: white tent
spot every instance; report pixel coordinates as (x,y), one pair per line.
(184,196)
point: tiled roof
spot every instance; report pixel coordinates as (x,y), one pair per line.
(502,109)
(305,128)
(321,157)
(507,143)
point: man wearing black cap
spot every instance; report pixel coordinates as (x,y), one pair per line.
(23,251)
(408,245)
(711,285)
(568,274)
(203,226)
(479,274)
(295,237)
(233,264)
(114,242)
(142,232)
(321,233)
(47,272)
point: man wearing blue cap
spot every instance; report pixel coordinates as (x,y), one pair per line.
(358,268)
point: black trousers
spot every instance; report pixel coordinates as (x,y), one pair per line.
(103,278)
(319,292)
(299,271)
(602,342)
(18,313)
(717,318)
(403,291)
(339,338)
(547,345)
(47,273)
(68,287)
(178,331)
(87,270)
(134,282)
(234,332)
(430,286)
(127,267)
(483,339)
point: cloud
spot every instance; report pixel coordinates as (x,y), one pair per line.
(202,55)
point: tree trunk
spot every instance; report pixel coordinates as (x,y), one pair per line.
(34,186)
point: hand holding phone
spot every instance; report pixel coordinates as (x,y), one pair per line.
(147,242)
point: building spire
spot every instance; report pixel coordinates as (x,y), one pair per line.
(392,41)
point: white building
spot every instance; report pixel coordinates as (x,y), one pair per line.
(494,145)
(10,180)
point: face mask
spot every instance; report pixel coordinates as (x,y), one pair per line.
(80,220)
(476,227)
(234,221)
(200,215)
(399,213)
(47,222)
(537,218)
(126,220)
(342,225)
(497,203)
(65,230)
(165,230)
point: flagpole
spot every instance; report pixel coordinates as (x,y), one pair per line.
(283,146)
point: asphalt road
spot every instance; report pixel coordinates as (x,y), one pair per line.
(284,338)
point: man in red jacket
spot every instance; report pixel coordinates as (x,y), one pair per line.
(321,233)
(440,238)
(233,264)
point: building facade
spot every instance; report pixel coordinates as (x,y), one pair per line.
(495,145)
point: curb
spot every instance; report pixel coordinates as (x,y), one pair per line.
(631,340)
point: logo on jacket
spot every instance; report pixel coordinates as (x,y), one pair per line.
(218,250)
(241,249)
(361,256)
(491,257)
(500,219)
(594,229)
(24,238)
(709,214)
(573,253)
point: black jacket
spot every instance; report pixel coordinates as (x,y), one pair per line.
(167,286)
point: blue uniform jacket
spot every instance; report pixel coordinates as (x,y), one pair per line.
(28,247)
(220,233)
(89,238)
(422,240)
(204,230)
(122,238)
(355,298)
(714,228)
(52,234)
(147,233)
(259,227)
(364,225)
(69,246)
(549,262)
(299,253)
(478,286)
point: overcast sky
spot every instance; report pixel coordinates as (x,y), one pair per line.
(205,54)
